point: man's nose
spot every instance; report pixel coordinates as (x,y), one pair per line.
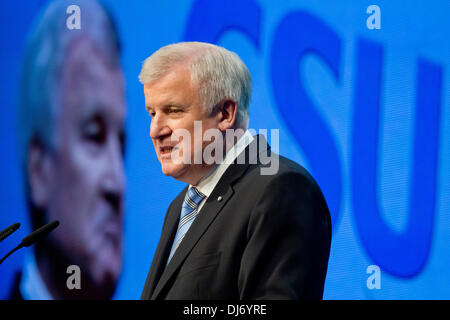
(159,127)
(114,179)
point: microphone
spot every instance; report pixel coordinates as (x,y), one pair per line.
(8,231)
(33,237)
(39,233)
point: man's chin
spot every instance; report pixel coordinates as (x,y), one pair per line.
(172,170)
(105,280)
(106,267)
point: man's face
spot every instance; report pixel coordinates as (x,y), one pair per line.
(173,103)
(89,180)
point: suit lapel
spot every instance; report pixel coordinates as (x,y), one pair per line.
(210,210)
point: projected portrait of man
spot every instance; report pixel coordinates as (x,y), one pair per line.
(71,131)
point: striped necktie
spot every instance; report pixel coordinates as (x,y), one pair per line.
(189,211)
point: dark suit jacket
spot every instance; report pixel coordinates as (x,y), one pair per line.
(267,238)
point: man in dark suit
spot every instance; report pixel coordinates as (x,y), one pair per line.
(251,224)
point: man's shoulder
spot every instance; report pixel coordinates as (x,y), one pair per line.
(286,170)
(288,166)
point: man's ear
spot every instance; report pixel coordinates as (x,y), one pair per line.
(40,170)
(227,114)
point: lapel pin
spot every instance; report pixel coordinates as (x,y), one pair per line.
(219,198)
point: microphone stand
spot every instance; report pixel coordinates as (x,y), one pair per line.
(11,252)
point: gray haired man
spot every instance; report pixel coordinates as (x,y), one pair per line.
(232,232)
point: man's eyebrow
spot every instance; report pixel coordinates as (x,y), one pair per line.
(173,104)
(168,105)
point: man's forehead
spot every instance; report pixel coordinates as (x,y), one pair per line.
(93,87)
(177,75)
(172,88)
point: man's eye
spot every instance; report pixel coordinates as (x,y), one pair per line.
(95,130)
(122,142)
(174,110)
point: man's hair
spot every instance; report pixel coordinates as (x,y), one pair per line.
(217,72)
(44,60)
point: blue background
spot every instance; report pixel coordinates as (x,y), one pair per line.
(367,112)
